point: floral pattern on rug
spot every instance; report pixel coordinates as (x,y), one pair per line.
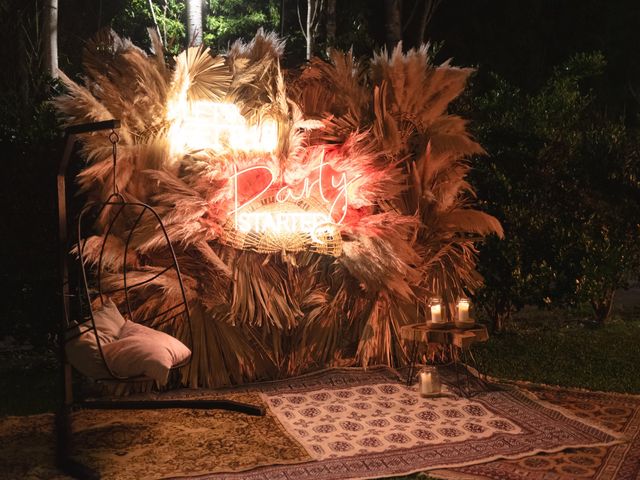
(541,428)
(149,444)
(382,417)
(618,412)
(229,446)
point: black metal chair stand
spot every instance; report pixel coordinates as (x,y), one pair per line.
(63,421)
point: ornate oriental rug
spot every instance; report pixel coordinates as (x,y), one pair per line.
(342,424)
(147,444)
(618,412)
(359,424)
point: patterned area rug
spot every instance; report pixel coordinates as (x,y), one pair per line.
(344,424)
(618,412)
(144,444)
(378,418)
(359,425)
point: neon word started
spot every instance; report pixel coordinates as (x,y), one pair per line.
(283,216)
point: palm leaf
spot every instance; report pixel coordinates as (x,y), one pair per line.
(471,221)
(201,76)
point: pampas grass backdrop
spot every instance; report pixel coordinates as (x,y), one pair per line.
(409,232)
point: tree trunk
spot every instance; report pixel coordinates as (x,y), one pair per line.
(602,306)
(310,28)
(499,322)
(331,25)
(393,23)
(51,38)
(194,22)
(309,35)
(155,21)
(22,69)
(426,14)
(499,312)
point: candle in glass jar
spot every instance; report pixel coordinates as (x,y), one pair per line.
(463,310)
(429,382)
(426,383)
(436,313)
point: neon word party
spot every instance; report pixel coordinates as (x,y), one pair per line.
(283,216)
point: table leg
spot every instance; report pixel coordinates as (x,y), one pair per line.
(469,359)
(412,361)
(456,366)
(465,359)
(482,378)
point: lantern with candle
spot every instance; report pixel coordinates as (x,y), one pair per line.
(435,306)
(429,382)
(462,313)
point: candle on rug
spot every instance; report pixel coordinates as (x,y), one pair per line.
(428,381)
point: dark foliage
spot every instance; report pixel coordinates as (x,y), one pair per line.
(562,176)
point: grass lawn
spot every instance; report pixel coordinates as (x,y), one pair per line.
(556,348)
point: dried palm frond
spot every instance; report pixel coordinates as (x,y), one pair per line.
(263,46)
(379,338)
(257,79)
(408,228)
(223,354)
(418,90)
(200,76)
(334,91)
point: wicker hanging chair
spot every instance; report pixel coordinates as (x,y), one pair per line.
(100,280)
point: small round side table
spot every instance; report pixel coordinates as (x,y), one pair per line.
(446,334)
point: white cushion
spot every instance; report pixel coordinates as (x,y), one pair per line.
(142,350)
(82,351)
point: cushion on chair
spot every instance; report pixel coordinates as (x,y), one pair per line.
(82,351)
(142,350)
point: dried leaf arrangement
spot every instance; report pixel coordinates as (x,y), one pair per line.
(408,232)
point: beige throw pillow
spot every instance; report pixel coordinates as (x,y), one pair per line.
(82,351)
(142,350)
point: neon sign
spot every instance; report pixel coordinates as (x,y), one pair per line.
(269,216)
(286,222)
(203,124)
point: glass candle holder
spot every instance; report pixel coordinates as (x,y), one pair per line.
(429,382)
(435,307)
(463,309)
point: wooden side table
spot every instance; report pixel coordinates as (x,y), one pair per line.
(462,339)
